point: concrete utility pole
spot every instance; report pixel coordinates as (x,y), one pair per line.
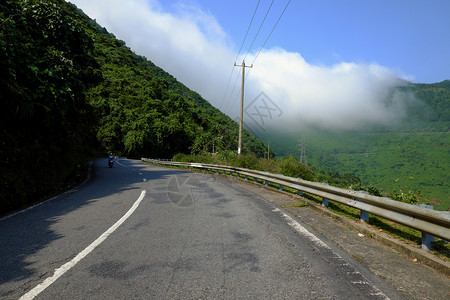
(242,105)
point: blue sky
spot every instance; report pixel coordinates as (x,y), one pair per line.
(409,36)
(328,63)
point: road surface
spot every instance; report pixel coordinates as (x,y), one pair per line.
(145,232)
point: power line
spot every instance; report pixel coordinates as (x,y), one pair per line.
(226,90)
(248,29)
(254,39)
(260,26)
(239,52)
(279,18)
(231,95)
(262,47)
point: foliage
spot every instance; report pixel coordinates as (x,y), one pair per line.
(245,161)
(378,158)
(69,89)
(144,111)
(45,121)
(291,167)
(406,195)
(288,166)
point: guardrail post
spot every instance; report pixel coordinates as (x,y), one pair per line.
(246,177)
(281,187)
(364,216)
(267,182)
(300,193)
(256,179)
(427,239)
(325,200)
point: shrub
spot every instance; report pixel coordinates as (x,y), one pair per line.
(290,166)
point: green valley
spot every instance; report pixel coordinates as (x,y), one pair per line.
(411,155)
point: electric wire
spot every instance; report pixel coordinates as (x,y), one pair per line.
(226,90)
(248,29)
(279,18)
(259,29)
(265,42)
(231,94)
(239,52)
(248,51)
(254,39)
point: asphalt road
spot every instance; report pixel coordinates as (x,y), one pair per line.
(142,232)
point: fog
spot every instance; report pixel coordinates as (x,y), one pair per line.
(281,89)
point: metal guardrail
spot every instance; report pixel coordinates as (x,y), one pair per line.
(430,222)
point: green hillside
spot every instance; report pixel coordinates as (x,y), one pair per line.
(70,90)
(410,155)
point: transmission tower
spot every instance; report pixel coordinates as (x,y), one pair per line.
(303,152)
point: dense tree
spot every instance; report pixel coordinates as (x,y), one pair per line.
(68,88)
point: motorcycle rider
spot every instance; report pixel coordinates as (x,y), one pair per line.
(111,160)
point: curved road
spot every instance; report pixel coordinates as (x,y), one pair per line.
(145,232)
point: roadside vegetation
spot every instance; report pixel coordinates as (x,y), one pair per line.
(290,166)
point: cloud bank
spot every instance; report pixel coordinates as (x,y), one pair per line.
(188,42)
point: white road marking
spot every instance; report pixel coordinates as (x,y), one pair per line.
(118,162)
(302,230)
(67,266)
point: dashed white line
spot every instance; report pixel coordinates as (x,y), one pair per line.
(67,266)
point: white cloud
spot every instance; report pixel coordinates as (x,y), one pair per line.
(188,42)
(342,96)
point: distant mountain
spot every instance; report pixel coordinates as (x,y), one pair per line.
(70,90)
(413,154)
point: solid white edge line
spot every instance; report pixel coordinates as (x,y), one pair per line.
(67,266)
(305,232)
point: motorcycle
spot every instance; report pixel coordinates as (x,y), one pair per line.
(110,162)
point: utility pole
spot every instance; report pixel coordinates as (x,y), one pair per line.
(242,105)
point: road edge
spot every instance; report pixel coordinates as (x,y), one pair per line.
(86,180)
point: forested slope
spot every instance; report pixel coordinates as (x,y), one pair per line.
(411,155)
(70,90)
